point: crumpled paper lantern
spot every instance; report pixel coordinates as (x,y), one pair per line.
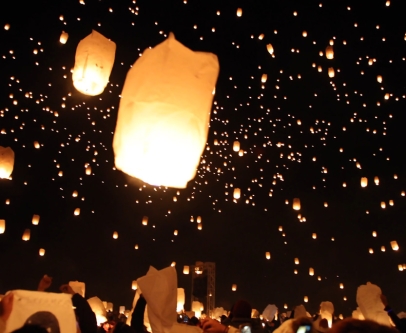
(94,61)
(78,287)
(370,304)
(98,308)
(164,114)
(6,162)
(197,308)
(159,289)
(269,312)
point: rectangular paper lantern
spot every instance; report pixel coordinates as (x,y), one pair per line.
(78,287)
(94,61)
(164,113)
(55,311)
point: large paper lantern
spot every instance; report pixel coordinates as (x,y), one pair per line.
(6,162)
(180,300)
(94,61)
(164,113)
(78,287)
(327,311)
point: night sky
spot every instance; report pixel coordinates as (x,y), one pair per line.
(304,135)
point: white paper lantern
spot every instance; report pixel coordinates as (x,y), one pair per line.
(6,162)
(164,113)
(94,61)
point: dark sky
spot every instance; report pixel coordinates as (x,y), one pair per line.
(282,157)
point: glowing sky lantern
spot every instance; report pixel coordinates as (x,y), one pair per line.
(6,162)
(145,220)
(35,219)
(269,47)
(304,33)
(236,146)
(394,245)
(331,72)
(41,252)
(234,287)
(134,285)
(326,312)
(2,226)
(88,170)
(383,204)
(364,181)
(264,77)
(115,235)
(268,255)
(314,235)
(376,180)
(164,113)
(311,271)
(296,261)
(296,204)
(76,212)
(64,37)
(379,78)
(185,269)
(94,61)
(237,193)
(36,145)
(329,52)
(306,299)
(239,12)
(26,235)
(180,300)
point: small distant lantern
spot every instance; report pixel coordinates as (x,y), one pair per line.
(94,61)
(311,271)
(400,268)
(341,285)
(36,145)
(306,299)
(394,245)
(2,226)
(164,114)
(237,193)
(364,181)
(269,47)
(268,255)
(241,152)
(376,180)
(75,194)
(371,251)
(26,235)
(264,77)
(6,162)
(35,219)
(314,235)
(391,203)
(115,235)
(234,287)
(185,269)
(173,263)
(134,285)
(199,219)
(296,204)
(304,33)
(329,52)
(331,72)
(383,204)
(41,252)
(76,212)
(175,199)
(383,248)
(379,78)
(296,261)
(64,37)
(199,226)
(236,146)
(136,246)
(239,12)
(145,220)
(374,234)
(175,232)
(88,170)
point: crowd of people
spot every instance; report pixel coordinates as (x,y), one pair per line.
(238,320)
